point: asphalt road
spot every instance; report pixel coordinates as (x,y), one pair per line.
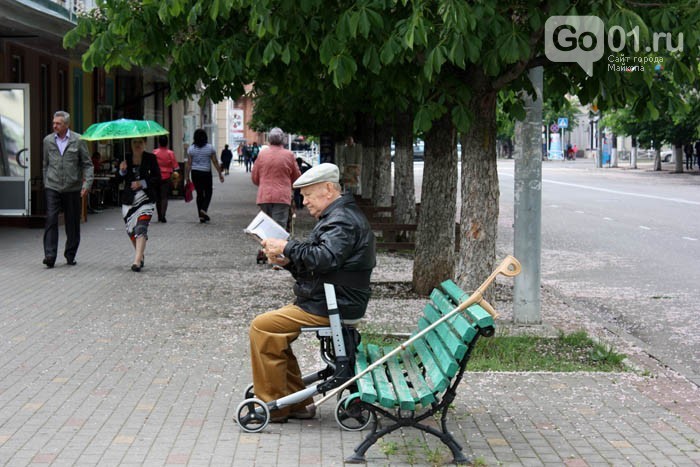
(624,244)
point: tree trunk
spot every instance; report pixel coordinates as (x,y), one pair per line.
(367,170)
(657,159)
(678,155)
(381,190)
(404,183)
(480,193)
(435,251)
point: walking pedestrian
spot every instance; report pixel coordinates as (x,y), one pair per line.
(274,173)
(201,155)
(226,158)
(697,153)
(248,158)
(688,149)
(239,151)
(68,173)
(303,167)
(141,176)
(254,151)
(167,165)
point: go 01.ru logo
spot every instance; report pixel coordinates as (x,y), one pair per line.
(581,39)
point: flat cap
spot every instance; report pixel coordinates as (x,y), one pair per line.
(321,173)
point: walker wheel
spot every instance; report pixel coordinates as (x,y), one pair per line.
(346,392)
(352,414)
(253,415)
(249,392)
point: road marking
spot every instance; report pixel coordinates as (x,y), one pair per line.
(579,212)
(605,190)
(644,227)
(607,218)
(691,239)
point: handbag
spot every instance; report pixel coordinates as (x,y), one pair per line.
(126,196)
(189,189)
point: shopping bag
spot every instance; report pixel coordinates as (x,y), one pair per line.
(189,189)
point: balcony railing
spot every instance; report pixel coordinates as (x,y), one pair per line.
(68,8)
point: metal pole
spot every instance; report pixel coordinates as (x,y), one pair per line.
(528,208)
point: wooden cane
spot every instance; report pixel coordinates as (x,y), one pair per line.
(509,267)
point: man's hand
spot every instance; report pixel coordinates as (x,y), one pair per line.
(278,260)
(83,193)
(274,250)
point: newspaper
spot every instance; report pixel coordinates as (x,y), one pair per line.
(263,227)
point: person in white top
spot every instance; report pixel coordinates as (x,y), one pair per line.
(201,155)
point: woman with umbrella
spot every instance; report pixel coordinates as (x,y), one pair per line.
(141,175)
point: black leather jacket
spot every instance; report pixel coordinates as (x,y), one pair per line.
(340,250)
(148,171)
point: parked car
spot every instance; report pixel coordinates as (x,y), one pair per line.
(666,156)
(418,150)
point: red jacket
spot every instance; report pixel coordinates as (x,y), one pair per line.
(274,172)
(166,161)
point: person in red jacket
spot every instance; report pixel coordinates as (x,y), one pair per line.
(167,164)
(274,172)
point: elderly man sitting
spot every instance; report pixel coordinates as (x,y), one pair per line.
(340,250)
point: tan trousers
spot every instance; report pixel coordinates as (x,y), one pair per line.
(276,372)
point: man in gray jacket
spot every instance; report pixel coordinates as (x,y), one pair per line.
(68,174)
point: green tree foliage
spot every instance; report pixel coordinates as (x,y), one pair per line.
(439,56)
(673,119)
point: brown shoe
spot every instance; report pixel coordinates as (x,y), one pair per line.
(303,414)
(275,417)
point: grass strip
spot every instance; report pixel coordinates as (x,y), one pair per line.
(565,353)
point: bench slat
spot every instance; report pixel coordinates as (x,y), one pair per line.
(434,376)
(444,358)
(453,343)
(398,379)
(481,317)
(424,395)
(399,246)
(420,374)
(461,324)
(385,391)
(444,305)
(365,384)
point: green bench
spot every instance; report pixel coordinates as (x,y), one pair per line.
(406,386)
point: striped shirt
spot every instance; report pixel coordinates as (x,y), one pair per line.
(201,157)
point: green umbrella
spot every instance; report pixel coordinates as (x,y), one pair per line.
(123,128)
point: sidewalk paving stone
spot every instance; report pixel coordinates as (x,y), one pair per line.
(103,366)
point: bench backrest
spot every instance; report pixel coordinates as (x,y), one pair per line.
(428,366)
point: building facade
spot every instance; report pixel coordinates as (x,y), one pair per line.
(38,77)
